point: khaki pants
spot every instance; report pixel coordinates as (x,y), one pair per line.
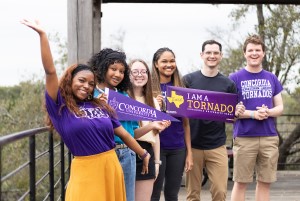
(216,163)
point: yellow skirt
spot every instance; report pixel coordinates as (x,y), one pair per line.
(96,178)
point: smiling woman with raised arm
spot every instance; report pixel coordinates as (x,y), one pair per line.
(87,127)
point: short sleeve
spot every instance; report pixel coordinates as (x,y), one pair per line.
(278,86)
(186,81)
(115,122)
(232,88)
(52,106)
(135,125)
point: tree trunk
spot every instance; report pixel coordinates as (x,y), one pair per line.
(261,30)
(286,146)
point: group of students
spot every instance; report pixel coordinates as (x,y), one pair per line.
(131,160)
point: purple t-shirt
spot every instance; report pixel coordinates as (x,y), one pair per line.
(254,90)
(90,134)
(173,136)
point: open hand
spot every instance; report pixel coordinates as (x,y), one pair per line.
(161,125)
(35,25)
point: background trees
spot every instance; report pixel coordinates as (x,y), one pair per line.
(21,106)
(279,27)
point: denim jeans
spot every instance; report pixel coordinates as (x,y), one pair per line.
(128,162)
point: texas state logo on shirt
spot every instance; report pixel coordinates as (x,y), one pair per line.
(92,113)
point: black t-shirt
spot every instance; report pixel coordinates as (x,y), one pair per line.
(207,134)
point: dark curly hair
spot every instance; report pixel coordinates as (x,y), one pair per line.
(106,57)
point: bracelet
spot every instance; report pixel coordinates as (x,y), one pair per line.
(144,155)
(252,114)
(158,162)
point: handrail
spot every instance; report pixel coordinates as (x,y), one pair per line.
(58,168)
(32,157)
(17,136)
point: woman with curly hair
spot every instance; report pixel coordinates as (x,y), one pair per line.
(87,126)
(112,72)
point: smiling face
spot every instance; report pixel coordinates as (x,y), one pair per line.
(83,84)
(166,64)
(211,55)
(114,75)
(254,55)
(138,74)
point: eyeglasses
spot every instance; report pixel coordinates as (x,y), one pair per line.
(208,53)
(135,73)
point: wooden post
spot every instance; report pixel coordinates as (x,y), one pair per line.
(84,30)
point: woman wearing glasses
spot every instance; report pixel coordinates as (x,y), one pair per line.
(141,90)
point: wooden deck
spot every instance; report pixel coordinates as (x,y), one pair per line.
(287,188)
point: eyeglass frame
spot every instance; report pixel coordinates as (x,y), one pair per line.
(139,72)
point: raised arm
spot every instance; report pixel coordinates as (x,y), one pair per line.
(50,71)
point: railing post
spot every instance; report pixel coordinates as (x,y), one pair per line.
(70,161)
(62,169)
(51,166)
(0,172)
(32,167)
(31,191)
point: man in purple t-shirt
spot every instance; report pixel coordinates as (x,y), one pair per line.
(256,141)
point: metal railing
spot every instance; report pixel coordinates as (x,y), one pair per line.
(16,183)
(288,125)
(43,155)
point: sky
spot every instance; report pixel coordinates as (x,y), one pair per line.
(147,27)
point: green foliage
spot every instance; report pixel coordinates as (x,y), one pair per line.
(279,26)
(16,155)
(292,102)
(282,39)
(240,12)
(21,108)
(62,52)
(233,61)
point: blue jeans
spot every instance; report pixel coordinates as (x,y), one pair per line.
(127,159)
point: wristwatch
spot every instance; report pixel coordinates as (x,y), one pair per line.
(158,162)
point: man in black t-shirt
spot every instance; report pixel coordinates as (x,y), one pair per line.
(208,137)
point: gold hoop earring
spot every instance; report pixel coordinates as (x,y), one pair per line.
(90,97)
